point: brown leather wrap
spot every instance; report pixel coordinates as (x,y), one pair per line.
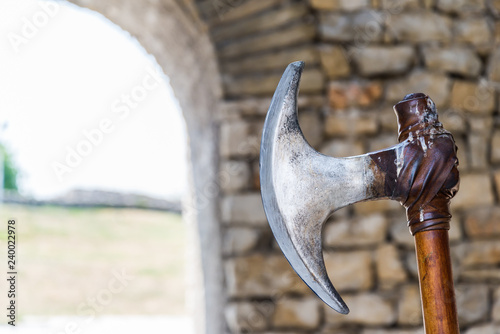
(428,177)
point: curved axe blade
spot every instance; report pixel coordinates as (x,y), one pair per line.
(301,188)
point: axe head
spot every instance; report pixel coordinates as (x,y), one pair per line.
(301,187)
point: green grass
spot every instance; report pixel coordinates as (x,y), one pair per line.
(67,255)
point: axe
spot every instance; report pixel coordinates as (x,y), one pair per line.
(301,188)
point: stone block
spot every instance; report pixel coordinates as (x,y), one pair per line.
(251,106)
(376,207)
(418,27)
(331,330)
(495,313)
(382,142)
(395,6)
(297,313)
(233,110)
(457,252)
(377,60)
(483,222)
(351,122)
(342,95)
(460,7)
(495,147)
(262,275)
(233,13)
(343,5)
(483,329)
(275,60)
(240,138)
(255,181)
(396,331)
(493,68)
(246,317)
(411,263)
(323,4)
(342,148)
(429,4)
(472,305)
(409,307)
(254,25)
(312,81)
(334,61)
(496,30)
(328,330)
(463,158)
(490,275)
(478,145)
(283,332)
(277,39)
(475,191)
(243,209)
(473,97)
(351,271)
(234,175)
(239,240)
(481,253)
(364,27)
(453,120)
(311,126)
(367,309)
(387,118)
(496,177)
(335,27)
(340,215)
(390,270)
(436,85)
(368,27)
(311,101)
(494,8)
(455,233)
(480,124)
(461,60)
(368,230)
(476,31)
(399,231)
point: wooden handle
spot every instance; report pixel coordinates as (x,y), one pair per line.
(436,282)
(426,182)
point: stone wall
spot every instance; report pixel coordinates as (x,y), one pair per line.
(361,57)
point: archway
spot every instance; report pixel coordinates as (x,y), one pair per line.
(175,35)
(172,32)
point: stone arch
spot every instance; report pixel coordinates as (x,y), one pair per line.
(174,34)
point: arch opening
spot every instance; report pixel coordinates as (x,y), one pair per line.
(196,86)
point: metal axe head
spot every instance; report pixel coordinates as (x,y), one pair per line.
(301,187)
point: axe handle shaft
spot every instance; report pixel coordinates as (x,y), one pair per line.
(436,282)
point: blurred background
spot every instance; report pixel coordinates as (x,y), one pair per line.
(113,137)
(93,148)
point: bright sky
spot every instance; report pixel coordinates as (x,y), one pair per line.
(84,104)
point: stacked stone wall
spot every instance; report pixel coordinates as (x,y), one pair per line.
(362,56)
